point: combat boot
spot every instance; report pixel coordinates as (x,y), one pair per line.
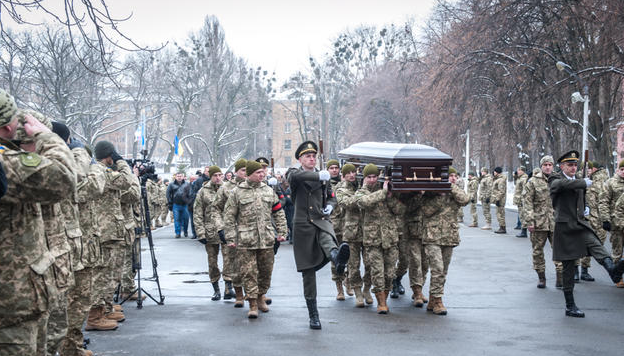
(501,230)
(486,227)
(368,298)
(267,300)
(115,315)
(438,306)
(474,224)
(523,233)
(83,352)
(340,256)
(253,308)
(559,281)
(382,307)
(217,291)
(400,286)
(395,289)
(117,307)
(133,296)
(615,272)
(240,301)
(359,298)
(97,321)
(348,287)
(229,292)
(585,275)
(430,305)
(541,275)
(571,308)
(418,297)
(315,322)
(262,305)
(340,295)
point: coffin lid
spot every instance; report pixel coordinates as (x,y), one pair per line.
(392,151)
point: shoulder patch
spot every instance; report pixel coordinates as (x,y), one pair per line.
(30,159)
(2,149)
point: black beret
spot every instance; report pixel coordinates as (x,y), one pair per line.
(103,149)
(263,161)
(306,147)
(498,170)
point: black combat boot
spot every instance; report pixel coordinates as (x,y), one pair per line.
(217,292)
(577,276)
(229,292)
(394,293)
(585,275)
(541,275)
(501,230)
(571,308)
(615,272)
(400,286)
(523,233)
(340,256)
(315,322)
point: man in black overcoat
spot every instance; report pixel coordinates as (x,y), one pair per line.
(314,240)
(574,237)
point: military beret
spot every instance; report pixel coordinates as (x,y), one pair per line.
(621,164)
(332,162)
(522,168)
(596,164)
(471,173)
(103,149)
(498,170)
(547,158)
(61,129)
(590,164)
(570,156)
(8,108)
(212,170)
(348,168)
(252,166)
(240,163)
(484,169)
(306,147)
(263,161)
(370,169)
(452,170)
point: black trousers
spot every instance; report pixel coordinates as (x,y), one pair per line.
(327,243)
(594,248)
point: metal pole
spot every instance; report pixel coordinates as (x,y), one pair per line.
(467,167)
(585,117)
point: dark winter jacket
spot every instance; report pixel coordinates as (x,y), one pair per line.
(179,193)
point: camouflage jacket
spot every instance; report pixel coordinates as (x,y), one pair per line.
(27,281)
(223,194)
(611,192)
(520,182)
(413,216)
(619,211)
(129,199)
(253,208)
(153,192)
(338,214)
(537,204)
(473,188)
(205,214)
(379,224)
(485,188)
(592,196)
(499,190)
(439,213)
(112,220)
(345,195)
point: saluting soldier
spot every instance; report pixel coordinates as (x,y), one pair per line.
(473,188)
(517,200)
(611,192)
(314,240)
(499,197)
(485,195)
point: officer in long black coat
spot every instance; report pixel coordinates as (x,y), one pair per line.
(314,240)
(574,237)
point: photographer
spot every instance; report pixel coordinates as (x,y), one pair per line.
(179,195)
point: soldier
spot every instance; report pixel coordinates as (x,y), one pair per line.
(380,232)
(206,219)
(440,237)
(345,195)
(517,199)
(27,283)
(540,219)
(253,207)
(164,204)
(485,195)
(417,260)
(499,197)
(462,185)
(314,241)
(152,187)
(573,237)
(130,199)
(611,192)
(337,218)
(473,188)
(599,176)
(230,257)
(403,261)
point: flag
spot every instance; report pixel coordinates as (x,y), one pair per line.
(176,143)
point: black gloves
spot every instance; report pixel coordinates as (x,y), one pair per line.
(487,200)
(497,204)
(221,236)
(115,156)
(606,225)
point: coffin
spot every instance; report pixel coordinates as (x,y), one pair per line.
(409,167)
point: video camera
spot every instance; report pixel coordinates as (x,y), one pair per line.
(146,168)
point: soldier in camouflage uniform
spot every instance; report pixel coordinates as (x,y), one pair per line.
(231,261)
(380,232)
(517,199)
(499,197)
(611,192)
(337,218)
(418,265)
(206,217)
(253,207)
(461,184)
(473,188)
(441,235)
(599,176)
(352,228)
(403,261)
(164,205)
(153,198)
(45,175)
(130,200)
(485,195)
(539,217)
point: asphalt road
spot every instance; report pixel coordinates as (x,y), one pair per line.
(493,306)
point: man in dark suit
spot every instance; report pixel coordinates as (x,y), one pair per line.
(314,240)
(573,237)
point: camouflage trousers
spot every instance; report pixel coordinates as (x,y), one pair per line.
(57,323)
(25,338)
(500,216)
(616,244)
(602,236)
(403,263)
(382,264)
(231,266)
(108,277)
(357,254)
(212,250)
(79,303)
(538,241)
(164,212)
(128,274)
(439,259)
(256,268)
(473,212)
(155,213)
(335,276)
(487,213)
(460,214)
(418,265)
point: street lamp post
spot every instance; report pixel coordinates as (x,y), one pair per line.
(576,97)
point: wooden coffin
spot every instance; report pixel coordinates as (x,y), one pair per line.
(409,167)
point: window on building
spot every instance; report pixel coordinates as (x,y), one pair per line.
(287,161)
(287,144)
(287,127)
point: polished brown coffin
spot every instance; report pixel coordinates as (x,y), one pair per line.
(409,167)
